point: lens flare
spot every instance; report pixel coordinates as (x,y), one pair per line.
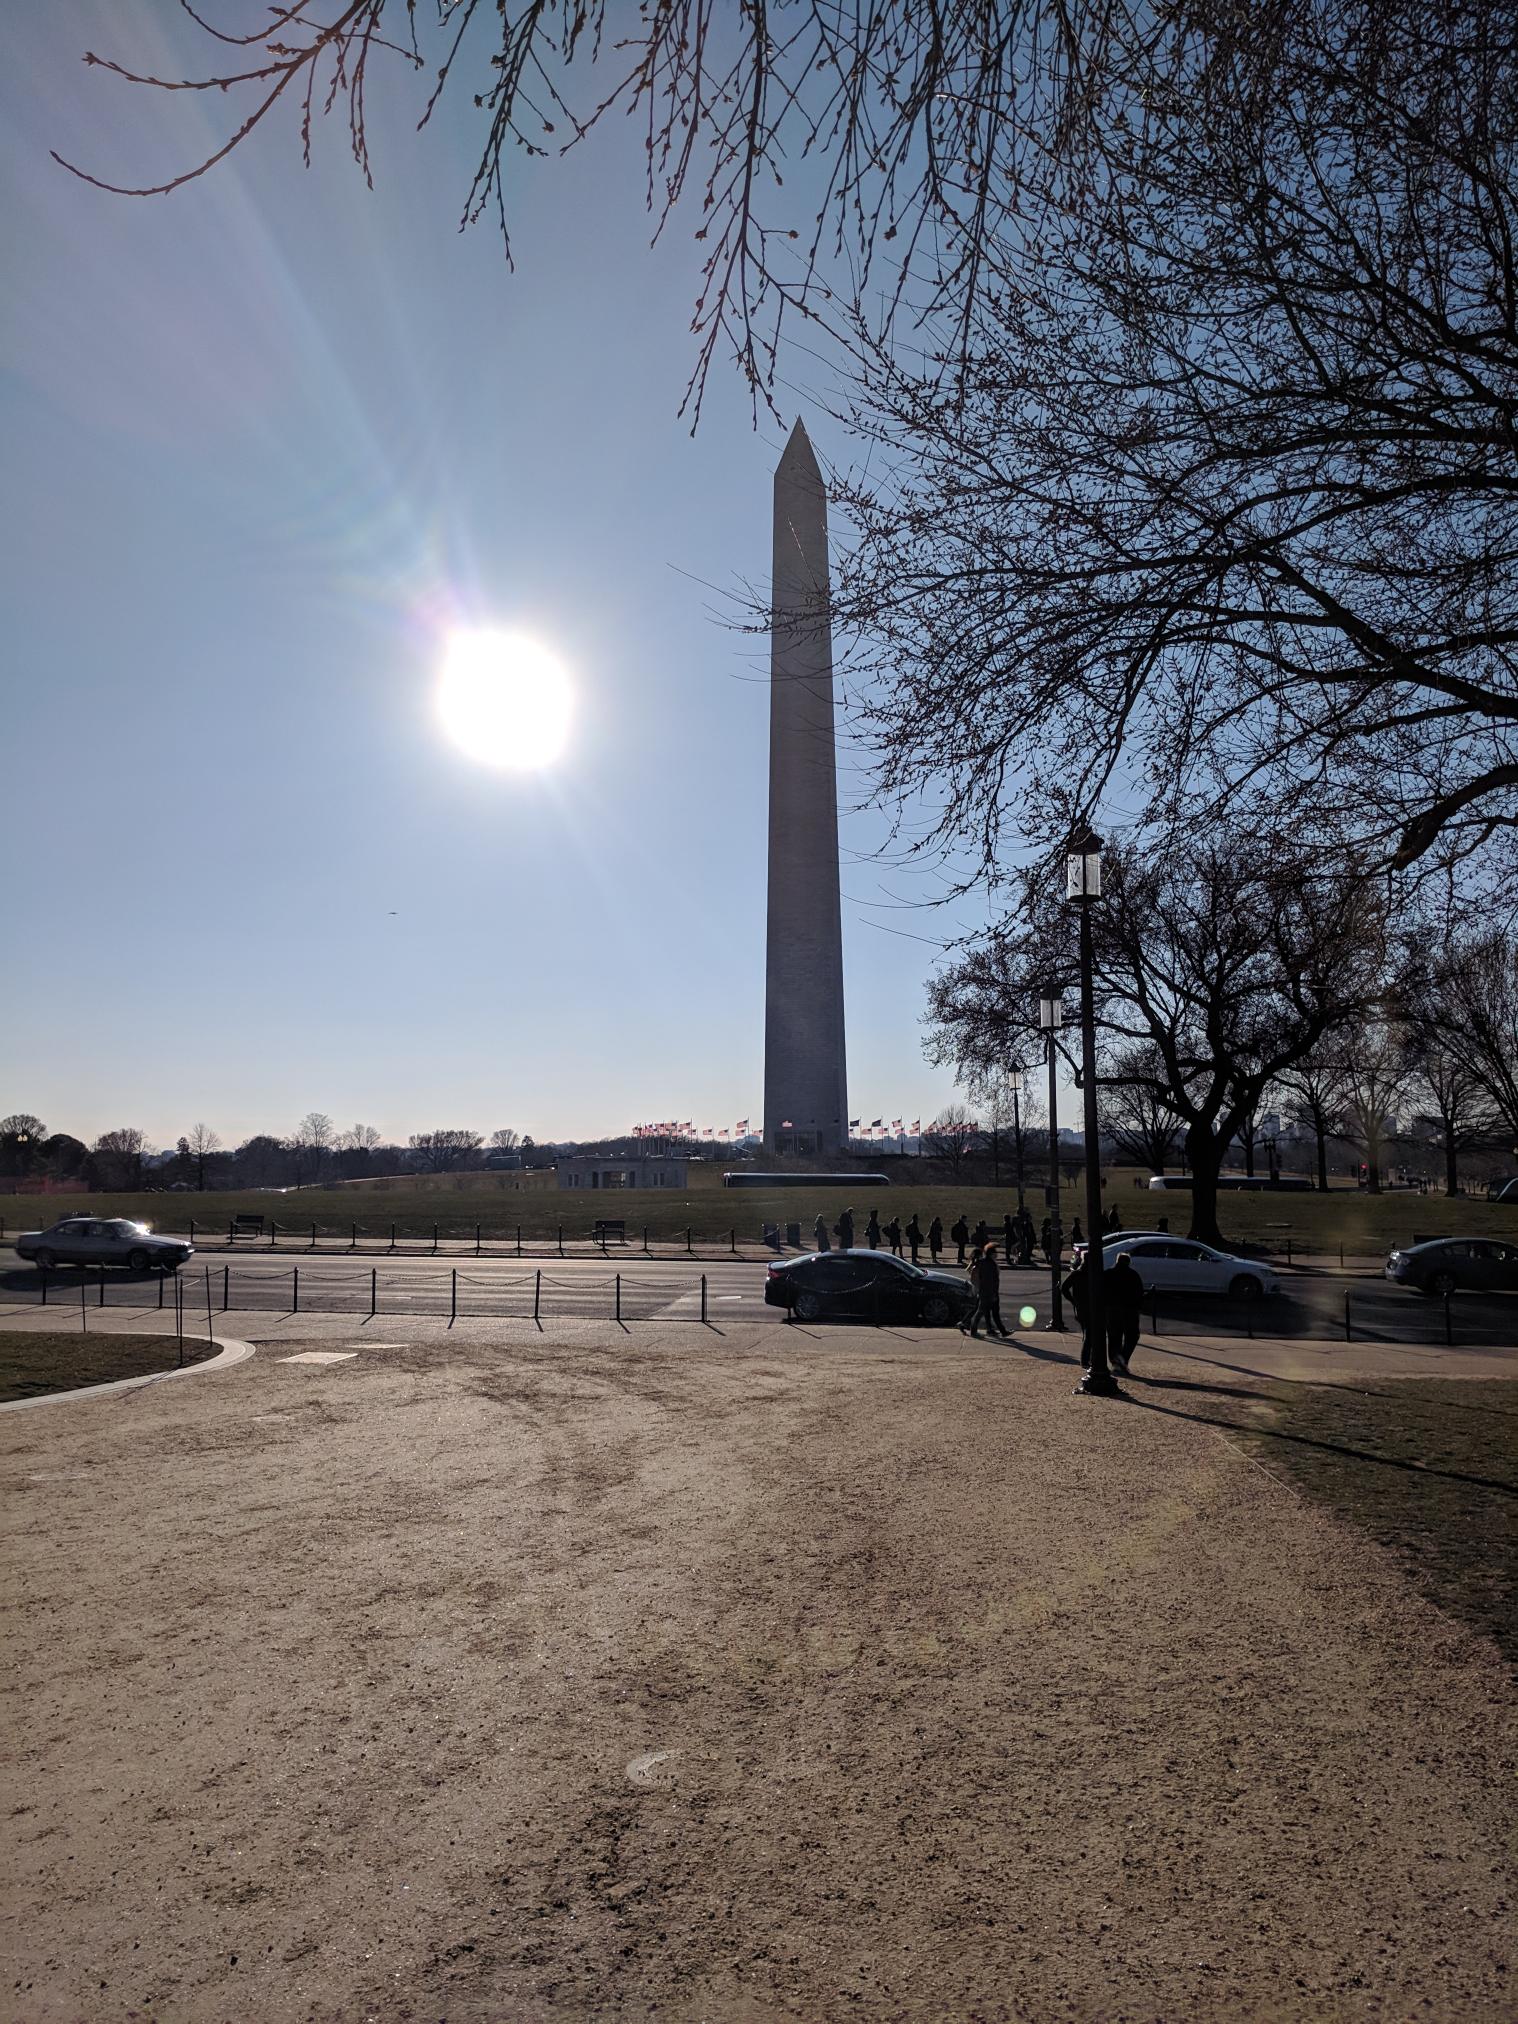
(504,699)
(1027,1316)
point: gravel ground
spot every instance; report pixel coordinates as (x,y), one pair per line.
(815,1682)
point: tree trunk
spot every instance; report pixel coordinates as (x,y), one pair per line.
(1321,1132)
(1451,1176)
(1206,1152)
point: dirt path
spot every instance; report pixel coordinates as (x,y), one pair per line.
(561,1683)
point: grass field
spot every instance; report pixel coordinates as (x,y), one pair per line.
(1362,1224)
(35,1362)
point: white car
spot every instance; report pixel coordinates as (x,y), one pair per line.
(1181,1265)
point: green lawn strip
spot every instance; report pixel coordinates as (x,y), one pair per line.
(35,1363)
(1427,1467)
(1316,1225)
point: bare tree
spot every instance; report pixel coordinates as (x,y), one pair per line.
(1451,1106)
(1135,1116)
(1474,996)
(442,1151)
(1314,1093)
(1376,1074)
(116,1159)
(311,1143)
(1231,494)
(951,1139)
(22,1138)
(1231,964)
(199,1145)
(505,1141)
(358,1138)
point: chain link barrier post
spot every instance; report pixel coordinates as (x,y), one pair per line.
(453,1298)
(703,1299)
(537,1292)
(295,1289)
(373,1291)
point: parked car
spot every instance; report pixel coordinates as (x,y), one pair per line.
(1445,1263)
(1181,1265)
(96,1240)
(1502,1191)
(867,1286)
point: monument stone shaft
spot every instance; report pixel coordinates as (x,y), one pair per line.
(805,1098)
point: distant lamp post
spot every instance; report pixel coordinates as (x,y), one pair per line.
(1051,1017)
(1017,1082)
(1083,886)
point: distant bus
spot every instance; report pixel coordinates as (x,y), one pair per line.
(1257,1184)
(844,1181)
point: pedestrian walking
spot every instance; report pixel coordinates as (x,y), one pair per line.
(820,1239)
(981,1238)
(844,1231)
(872,1230)
(1077,1290)
(1046,1238)
(1009,1237)
(1025,1238)
(935,1238)
(1123,1298)
(985,1277)
(960,1232)
(893,1236)
(1075,1231)
(1114,1220)
(914,1236)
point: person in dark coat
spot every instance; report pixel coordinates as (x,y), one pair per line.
(1114,1220)
(914,1235)
(1046,1238)
(1076,1234)
(1076,1290)
(985,1275)
(844,1231)
(1009,1237)
(1025,1237)
(872,1230)
(820,1239)
(960,1232)
(893,1236)
(981,1238)
(1123,1298)
(935,1238)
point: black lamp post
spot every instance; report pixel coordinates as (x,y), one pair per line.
(1015,1082)
(1051,1016)
(1083,886)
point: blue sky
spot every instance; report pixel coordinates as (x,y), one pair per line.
(266,440)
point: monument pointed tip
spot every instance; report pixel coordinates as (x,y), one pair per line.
(798,451)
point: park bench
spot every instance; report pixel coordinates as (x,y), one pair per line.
(610,1230)
(246,1226)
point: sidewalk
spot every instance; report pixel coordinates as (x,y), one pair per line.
(1301,1361)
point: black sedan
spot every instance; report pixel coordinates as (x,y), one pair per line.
(1446,1263)
(867,1286)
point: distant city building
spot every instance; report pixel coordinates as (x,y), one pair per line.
(621,1170)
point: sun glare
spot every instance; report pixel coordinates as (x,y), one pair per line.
(504,699)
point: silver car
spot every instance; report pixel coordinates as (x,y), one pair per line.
(98,1240)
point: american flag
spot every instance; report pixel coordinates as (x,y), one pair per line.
(896,1125)
(723,1133)
(876,1123)
(786,1125)
(916,1127)
(740,1127)
(853,1124)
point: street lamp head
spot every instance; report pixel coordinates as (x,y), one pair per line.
(1083,866)
(1051,1014)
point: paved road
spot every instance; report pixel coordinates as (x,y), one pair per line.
(1312,1306)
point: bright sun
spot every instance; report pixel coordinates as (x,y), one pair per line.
(504,699)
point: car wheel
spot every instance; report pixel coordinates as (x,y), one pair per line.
(137,1261)
(935,1311)
(1246,1287)
(172,1264)
(806,1307)
(45,1260)
(1442,1284)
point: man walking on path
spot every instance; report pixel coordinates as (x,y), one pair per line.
(1025,1236)
(1123,1295)
(1046,1238)
(845,1231)
(820,1240)
(960,1232)
(986,1278)
(935,1238)
(982,1236)
(1076,1290)
(893,1236)
(914,1236)
(872,1230)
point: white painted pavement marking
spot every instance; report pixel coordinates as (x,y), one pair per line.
(321,1356)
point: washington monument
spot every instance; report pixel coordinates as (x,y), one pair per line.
(805,1099)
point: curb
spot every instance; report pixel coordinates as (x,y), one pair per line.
(231,1351)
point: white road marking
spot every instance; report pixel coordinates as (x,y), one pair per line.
(321,1356)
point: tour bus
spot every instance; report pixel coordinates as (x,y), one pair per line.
(1262,1184)
(844,1181)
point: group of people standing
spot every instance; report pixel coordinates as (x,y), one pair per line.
(1123,1289)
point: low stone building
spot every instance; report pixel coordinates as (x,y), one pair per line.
(621,1170)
